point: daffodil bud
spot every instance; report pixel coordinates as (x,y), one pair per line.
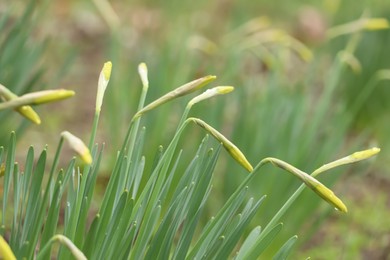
(180,91)
(374,24)
(78,146)
(326,194)
(355,157)
(46,96)
(143,73)
(26,111)
(104,78)
(211,93)
(228,145)
(321,190)
(370,24)
(5,250)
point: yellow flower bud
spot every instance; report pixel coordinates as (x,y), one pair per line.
(46,96)
(5,250)
(104,78)
(374,24)
(326,194)
(228,145)
(362,155)
(107,67)
(321,190)
(78,146)
(143,73)
(180,91)
(26,111)
(211,93)
(355,157)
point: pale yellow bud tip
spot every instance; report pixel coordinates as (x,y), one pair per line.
(78,146)
(366,153)
(376,24)
(107,70)
(142,67)
(143,72)
(224,89)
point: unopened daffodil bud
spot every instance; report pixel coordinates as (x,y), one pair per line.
(47,96)
(374,24)
(37,98)
(26,111)
(143,73)
(228,145)
(321,190)
(5,250)
(78,146)
(178,92)
(104,78)
(355,157)
(211,93)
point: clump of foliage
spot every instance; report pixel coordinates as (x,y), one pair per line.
(135,220)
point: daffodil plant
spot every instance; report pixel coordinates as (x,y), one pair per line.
(142,215)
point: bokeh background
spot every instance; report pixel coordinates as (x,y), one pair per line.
(301,95)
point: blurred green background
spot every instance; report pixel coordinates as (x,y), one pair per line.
(304,111)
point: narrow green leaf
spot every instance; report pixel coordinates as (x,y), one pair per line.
(14,228)
(215,227)
(135,159)
(260,245)
(163,235)
(124,248)
(189,230)
(89,242)
(285,250)
(40,208)
(115,219)
(138,177)
(212,250)
(9,169)
(145,234)
(233,237)
(88,193)
(33,198)
(53,212)
(249,242)
(119,234)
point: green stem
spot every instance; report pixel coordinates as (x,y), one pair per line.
(94,129)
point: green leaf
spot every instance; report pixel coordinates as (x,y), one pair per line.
(119,233)
(35,207)
(249,242)
(285,250)
(261,244)
(89,243)
(215,226)
(102,247)
(145,234)
(233,237)
(9,169)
